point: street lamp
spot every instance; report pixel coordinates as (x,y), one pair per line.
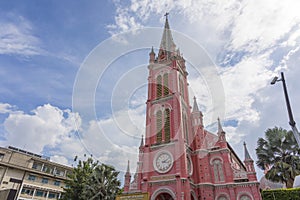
(288,105)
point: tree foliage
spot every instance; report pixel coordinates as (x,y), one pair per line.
(279,154)
(92,181)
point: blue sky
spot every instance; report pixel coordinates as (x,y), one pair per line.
(54,40)
(45,47)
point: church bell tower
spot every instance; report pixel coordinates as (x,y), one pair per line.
(166,150)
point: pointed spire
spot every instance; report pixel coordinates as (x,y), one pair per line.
(152,56)
(127,179)
(142,141)
(195,107)
(167,42)
(247,155)
(220,129)
(128,168)
(152,50)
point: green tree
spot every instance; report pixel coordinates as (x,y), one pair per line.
(279,153)
(106,185)
(89,180)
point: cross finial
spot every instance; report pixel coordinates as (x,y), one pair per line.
(166,15)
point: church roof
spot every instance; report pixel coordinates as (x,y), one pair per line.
(167,42)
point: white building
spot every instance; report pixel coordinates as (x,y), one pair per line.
(25,175)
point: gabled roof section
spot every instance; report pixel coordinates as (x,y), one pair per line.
(236,156)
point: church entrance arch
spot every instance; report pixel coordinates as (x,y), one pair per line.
(163,194)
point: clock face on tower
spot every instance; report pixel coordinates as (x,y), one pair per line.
(163,161)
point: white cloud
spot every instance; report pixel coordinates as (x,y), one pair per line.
(241,83)
(262,23)
(48,129)
(17,37)
(124,21)
(59,159)
(5,108)
(46,126)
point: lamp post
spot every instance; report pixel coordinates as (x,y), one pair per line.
(288,105)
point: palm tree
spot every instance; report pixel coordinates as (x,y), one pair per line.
(105,183)
(280,152)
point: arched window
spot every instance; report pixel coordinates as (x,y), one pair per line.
(159,126)
(185,127)
(245,197)
(167,125)
(166,84)
(222,198)
(181,87)
(218,170)
(159,86)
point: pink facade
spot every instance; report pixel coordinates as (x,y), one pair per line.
(179,159)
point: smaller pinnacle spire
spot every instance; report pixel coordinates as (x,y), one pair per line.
(142,141)
(220,129)
(152,50)
(128,170)
(195,107)
(247,155)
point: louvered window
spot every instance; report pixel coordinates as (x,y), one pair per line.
(167,125)
(159,127)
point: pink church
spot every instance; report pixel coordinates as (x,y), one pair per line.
(179,159)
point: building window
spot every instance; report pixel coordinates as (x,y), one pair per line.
(57,183)
(44,180)
(245,197)
(59,172)
(163,126)
(162,85)
(1,156)
(222,198)
(159,86)
(167,125)
(39,193)
(218,170)
(31,177)
(27,191)
(185,128)
(159,126)
(37,166)
(166,84)
(47,169)
(181,87)
(52,195)
(34,166)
